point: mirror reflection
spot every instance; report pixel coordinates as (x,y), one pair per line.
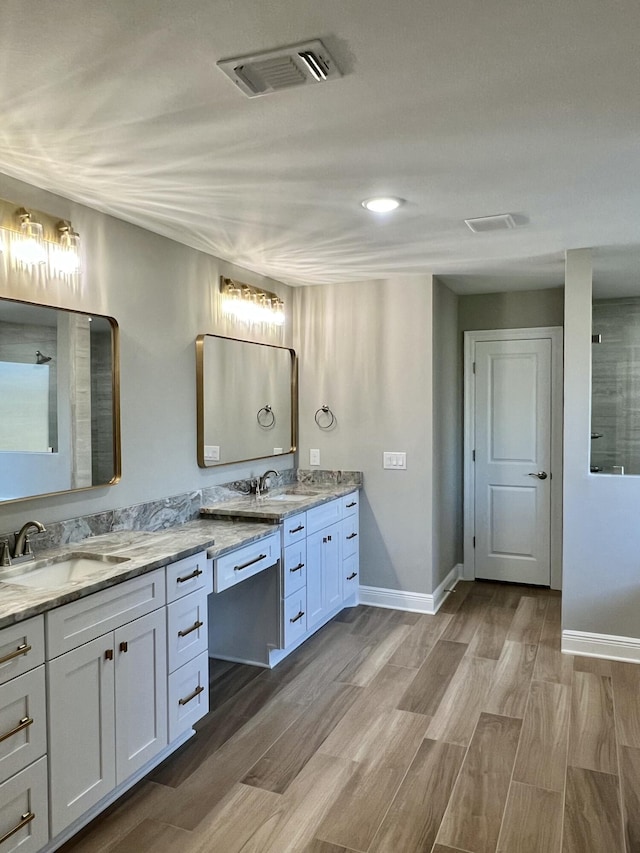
(615,361)
(58,386)
(247,400)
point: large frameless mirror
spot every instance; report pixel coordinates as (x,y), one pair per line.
(615,361)
(247,400)
(59,392)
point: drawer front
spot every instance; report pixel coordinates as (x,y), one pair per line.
(350,578)
(323,515)
(185,576)
(294,569)
(80,621)
(294,529)
(295,617)
(187,629)
(245,562)
(24,813)
(188,695)
(21,648)
(23,722)
(350,538)
(350,504)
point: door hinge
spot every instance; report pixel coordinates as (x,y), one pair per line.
(474,541)
(473,456)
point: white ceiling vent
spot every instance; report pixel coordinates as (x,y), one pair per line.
(501,222)
(296,65)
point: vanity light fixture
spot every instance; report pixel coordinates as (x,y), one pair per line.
(382,204)
(65,257)
(27,246)
(251,304)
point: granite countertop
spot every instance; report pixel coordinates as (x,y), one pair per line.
(268,509)
(145,551)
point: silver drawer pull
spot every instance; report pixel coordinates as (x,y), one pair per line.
(24,820)
(297,529)
(199,689)
(194,627)
(352,536)
(353,503)
(249,563)
(298,617)
(24,649)
(190,577)
(24,723)
(352,576)
(297,568)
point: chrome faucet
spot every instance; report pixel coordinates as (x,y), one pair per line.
(22,545)
(262,483)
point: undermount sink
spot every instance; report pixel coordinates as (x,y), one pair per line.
(62,570)
(289,498)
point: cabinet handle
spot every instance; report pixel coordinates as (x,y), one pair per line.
(352,576)
(352,536)
(196,573)
(194,627)
(26,818)
(24,649)
(108,655)
(297,529)
(249,563)
(124,646)
(353,503)
(199,689)
(298,617)
(297,568)
(326,538)
(24,723)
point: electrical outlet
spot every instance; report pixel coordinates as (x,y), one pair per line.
(314,457)
(277,450)
(212,452)
(395,460)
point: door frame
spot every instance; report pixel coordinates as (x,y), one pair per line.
(556,335)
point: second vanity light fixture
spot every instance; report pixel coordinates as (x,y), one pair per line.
(29,247)
(251,304)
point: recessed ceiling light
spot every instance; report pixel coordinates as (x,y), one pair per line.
(382,204)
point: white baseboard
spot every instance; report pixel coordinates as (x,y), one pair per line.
(414,602)
(601,646)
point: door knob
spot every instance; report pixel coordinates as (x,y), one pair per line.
(541,475)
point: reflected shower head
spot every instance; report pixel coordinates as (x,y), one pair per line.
(42,359)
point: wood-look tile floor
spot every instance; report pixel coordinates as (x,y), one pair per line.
(391,732)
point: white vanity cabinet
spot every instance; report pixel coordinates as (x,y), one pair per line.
(350,538)
(24,822)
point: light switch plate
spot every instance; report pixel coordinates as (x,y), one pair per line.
(314,457)
(277,450)
(212,452)
(394,459)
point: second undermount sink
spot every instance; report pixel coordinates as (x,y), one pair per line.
(290,497)
(63,570)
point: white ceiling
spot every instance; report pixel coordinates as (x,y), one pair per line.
(464,108)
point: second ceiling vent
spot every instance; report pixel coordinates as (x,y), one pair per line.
(296,65)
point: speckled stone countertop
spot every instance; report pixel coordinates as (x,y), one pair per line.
(273,507)
(145,551)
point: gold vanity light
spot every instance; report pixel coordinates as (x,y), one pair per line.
(251,304)
(65,257)
(39,243)
(27,246)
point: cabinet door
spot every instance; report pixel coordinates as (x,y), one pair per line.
(81,730)
(23,722)
(314,579)
(187,631)
(331,568)
(141,692)
(24,823)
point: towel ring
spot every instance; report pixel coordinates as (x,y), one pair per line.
(268,419)
(325,410)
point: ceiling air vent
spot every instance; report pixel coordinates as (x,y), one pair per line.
(297,65)
(501,222)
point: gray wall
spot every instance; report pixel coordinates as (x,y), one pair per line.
(520,309)
(366,350)
(447,433)
(163,295)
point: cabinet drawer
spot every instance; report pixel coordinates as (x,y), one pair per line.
(295,617)
(246,562)
(23,722)
(187,628)
(323,515)
(295,569)
(294,529)
(21,648)
(185,576)
(24,813)
(350,577)
(188,695)
(80,621)
(350,541)
(350,504)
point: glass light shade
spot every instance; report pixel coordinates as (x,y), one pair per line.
(28,246)
(382,204)
(65,257)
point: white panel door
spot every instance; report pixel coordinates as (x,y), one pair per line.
(513,457)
